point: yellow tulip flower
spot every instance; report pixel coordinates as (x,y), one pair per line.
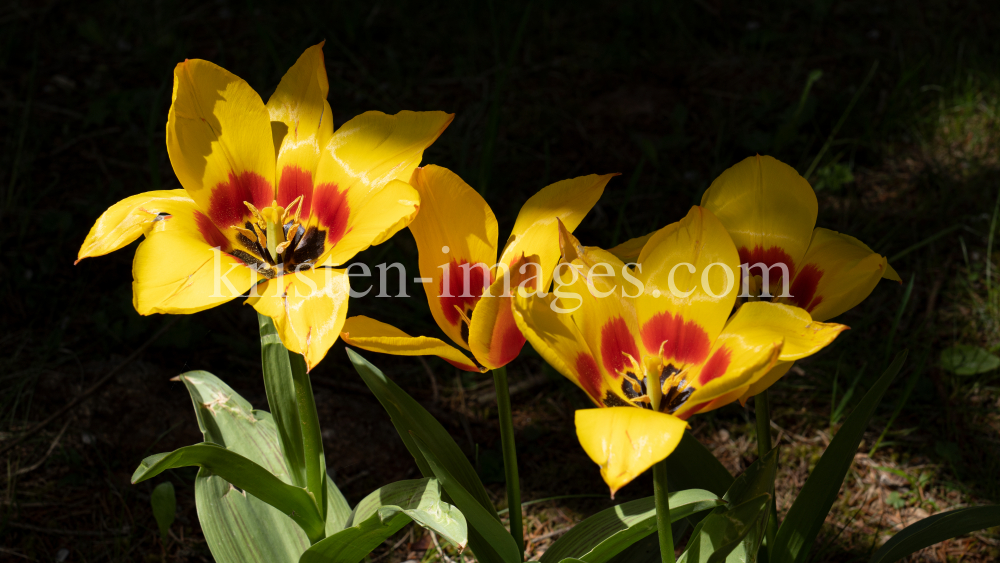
(468,290)
(770,212)
(270,192)
(654,344)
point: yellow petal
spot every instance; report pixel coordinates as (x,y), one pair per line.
(219,142)
(757,337)
(770,211)
(536,229)
(556,336)
(456,235)
(308,309)
(766,381)
(626,441)
(176,269)
(494,338)
(838,273)
(679,314)
(593,290)
(629,250)
(124,221)
(365,155)
(301,125)
(368,334)
(377,219)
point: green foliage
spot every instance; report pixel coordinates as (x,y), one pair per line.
(607,533)
(936,528)
(692,466)
(962,359)
(382,513)
(802,524)
(164,504)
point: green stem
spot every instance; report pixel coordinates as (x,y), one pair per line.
(763,412)
(663,512)
(509,457)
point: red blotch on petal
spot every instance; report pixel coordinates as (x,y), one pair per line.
(212,235)
(716,366)
(772,256)
(589,374)
(226,206)
(461,290)
(616,341)
(685,341)
(804,288)
(507,340)
(329,205)
(295,182)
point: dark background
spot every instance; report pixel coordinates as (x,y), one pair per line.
(669,94)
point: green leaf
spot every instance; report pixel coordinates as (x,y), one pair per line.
(804,520)
(408,416)
(758,479)
(290,398)
(963,359)
(722,532)
(241,472)
(692,466)
(937,528)
(382,514)
(241,528)
(497,544)
(607,533)
(164,507)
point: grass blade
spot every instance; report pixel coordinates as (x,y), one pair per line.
(937,528)
(798,532)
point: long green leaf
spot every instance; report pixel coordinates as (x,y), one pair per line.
(758,479)
(937,528)
(164,504)
(290,398)
(720,533)
(241,528)
(692,466)
(294,501)
(408,416)
(798,532)
(497,544)
(382,514)
(607,533)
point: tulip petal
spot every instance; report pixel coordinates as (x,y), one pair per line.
(301,125)
(838,273)
(629,250)
(626,441)
(559,342)
(308,309)
(494,338)
(767,380)
(680,258)
(126,220)
(536,231)
(182,266)
(363,156)
(219,142)
(456,235)
(384,214)
(770,211)
(368,334)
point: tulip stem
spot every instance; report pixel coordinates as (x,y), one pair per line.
(663,525)
(762,410)
(509,457)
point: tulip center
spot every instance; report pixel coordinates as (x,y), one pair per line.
(671,392)
(276,242)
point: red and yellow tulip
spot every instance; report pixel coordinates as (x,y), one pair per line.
(613,330)
(770,212)
(468,289)
(270,192)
